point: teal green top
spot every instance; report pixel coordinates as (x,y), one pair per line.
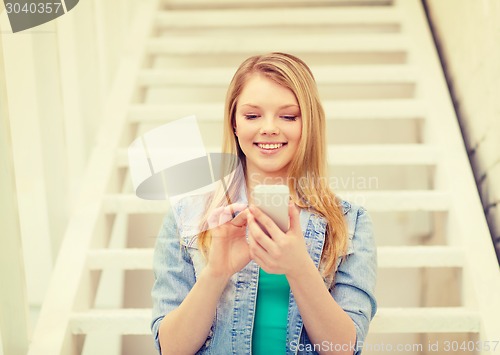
(271,313)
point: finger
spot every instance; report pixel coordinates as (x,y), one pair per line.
(272,229)
(294,213)
(255,257)
(241,219)
(262,259)
(237,207)
(260,237)
(256,251)
(229,212)
(259,262)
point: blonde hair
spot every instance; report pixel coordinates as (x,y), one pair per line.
(308,187)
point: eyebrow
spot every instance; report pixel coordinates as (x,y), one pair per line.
(282,107)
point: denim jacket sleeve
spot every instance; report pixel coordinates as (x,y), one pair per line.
(356,276)
(173,272)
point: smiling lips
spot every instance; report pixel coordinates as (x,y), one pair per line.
(270,146)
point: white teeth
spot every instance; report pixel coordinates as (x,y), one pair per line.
(270,146)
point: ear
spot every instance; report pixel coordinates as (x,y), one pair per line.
(235,131)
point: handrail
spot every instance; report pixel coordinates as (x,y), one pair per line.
(467,224)
(14,327)
(69,286)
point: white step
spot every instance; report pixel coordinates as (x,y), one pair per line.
(426,320)
(195,4)
(386,201)
(420,256)
(387,320)
(120,259)
(388,154)
(272,17)
(355,155)
(358,43)
(374,201)
(336,75)
(388,257)
(337,110)
(113,321)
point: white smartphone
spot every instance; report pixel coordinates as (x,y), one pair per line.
(273,201)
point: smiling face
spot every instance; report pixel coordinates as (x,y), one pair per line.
(268,126)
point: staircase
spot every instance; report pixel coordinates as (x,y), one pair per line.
(394,147)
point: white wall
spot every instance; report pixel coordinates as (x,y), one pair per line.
(469,36)
(14,325)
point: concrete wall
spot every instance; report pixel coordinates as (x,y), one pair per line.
(468,32)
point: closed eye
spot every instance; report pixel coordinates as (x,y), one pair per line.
(251,116)
(289,117)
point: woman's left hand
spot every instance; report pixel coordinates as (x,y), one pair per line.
(277,252)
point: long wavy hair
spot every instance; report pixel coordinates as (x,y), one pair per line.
(307,171)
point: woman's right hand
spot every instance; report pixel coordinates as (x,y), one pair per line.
(229,251)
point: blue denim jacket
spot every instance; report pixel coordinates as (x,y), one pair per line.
(177,262)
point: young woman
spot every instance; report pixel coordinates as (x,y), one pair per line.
(242,285)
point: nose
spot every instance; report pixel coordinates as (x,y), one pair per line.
(269,127)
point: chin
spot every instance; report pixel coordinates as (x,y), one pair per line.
(272,170)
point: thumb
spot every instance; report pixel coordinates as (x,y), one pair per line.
(241,219)
(294,213)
